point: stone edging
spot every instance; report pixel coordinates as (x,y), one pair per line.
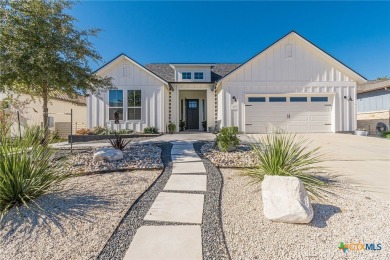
(213,239)
(114,170)
(87,138)
(212,227)
(120,240)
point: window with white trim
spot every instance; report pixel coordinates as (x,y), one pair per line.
(115,103)
(198,75)
(186,75)
(134,104)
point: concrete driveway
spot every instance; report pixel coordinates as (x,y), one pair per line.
(361,161)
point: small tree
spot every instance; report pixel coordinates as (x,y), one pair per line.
(42,51)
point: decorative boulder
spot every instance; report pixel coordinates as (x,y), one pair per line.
(285,199)
(107,154)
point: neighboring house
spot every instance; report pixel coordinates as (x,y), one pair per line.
(60,106)
(291,85)
(373,104)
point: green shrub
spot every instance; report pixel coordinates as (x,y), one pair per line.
(288,155)
(227,138)
(150,130)
(27,170)
(385,134)
(98,130)
(171,127)
(106,131)
(124,131)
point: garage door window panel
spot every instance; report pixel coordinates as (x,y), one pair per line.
(319,99)
(256,99)
(277,99)
(298,99)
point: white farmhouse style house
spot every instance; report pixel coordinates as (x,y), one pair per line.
(292,85)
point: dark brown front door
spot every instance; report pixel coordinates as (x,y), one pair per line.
(192,114)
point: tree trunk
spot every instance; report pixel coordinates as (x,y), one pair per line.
(45,97)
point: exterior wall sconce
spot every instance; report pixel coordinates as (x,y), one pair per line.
(348,98)
(234,99)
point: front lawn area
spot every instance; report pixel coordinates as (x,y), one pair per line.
(75,222)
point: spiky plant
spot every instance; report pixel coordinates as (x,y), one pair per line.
(27,170)
(119,143)
(289,155)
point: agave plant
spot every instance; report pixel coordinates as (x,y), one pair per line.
(289,155)
(119,143)
(27,170)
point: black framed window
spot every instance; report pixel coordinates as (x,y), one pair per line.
(319,99)
(198,75)
(277,99)
(115,103)
(134,104)
(298,99)
(186,75)
(256,99)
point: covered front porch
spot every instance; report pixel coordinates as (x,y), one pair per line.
(192,107)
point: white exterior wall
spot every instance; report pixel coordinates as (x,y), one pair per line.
(273,72)
(129,76)
(206,73)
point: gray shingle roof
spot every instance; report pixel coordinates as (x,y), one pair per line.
(166,72)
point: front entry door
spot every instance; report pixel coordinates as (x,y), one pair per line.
(192,114)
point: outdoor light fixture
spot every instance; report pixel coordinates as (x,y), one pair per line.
(234,98)
(348,98)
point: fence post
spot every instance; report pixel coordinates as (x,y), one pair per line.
(71,130)
(20,133)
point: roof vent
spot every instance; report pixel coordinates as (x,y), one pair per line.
(289,51)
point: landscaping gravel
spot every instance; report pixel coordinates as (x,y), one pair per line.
(135,156)
(76,222)
(243,156)
(350,216)
(212,235)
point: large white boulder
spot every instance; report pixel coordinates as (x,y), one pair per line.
(285,199)
(107,154)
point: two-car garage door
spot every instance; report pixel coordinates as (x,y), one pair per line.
(299,114)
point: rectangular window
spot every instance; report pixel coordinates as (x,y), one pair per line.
(115,104)
(193,104)
(186,75)
(134,104)
(277,99)
(298,99)
(256,99)
(198,75)
(319,99)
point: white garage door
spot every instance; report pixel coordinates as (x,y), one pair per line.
(298,114)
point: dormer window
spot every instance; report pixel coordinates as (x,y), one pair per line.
(186,75)
(198,75)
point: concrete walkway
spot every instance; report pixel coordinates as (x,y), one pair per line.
(176,214)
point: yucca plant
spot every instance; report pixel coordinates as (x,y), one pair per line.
(27,170)
(289,155)
(119,143)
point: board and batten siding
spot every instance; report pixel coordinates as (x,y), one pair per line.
(128,76)
(377,100)
(289,66)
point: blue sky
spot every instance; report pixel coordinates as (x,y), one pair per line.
(356,33)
